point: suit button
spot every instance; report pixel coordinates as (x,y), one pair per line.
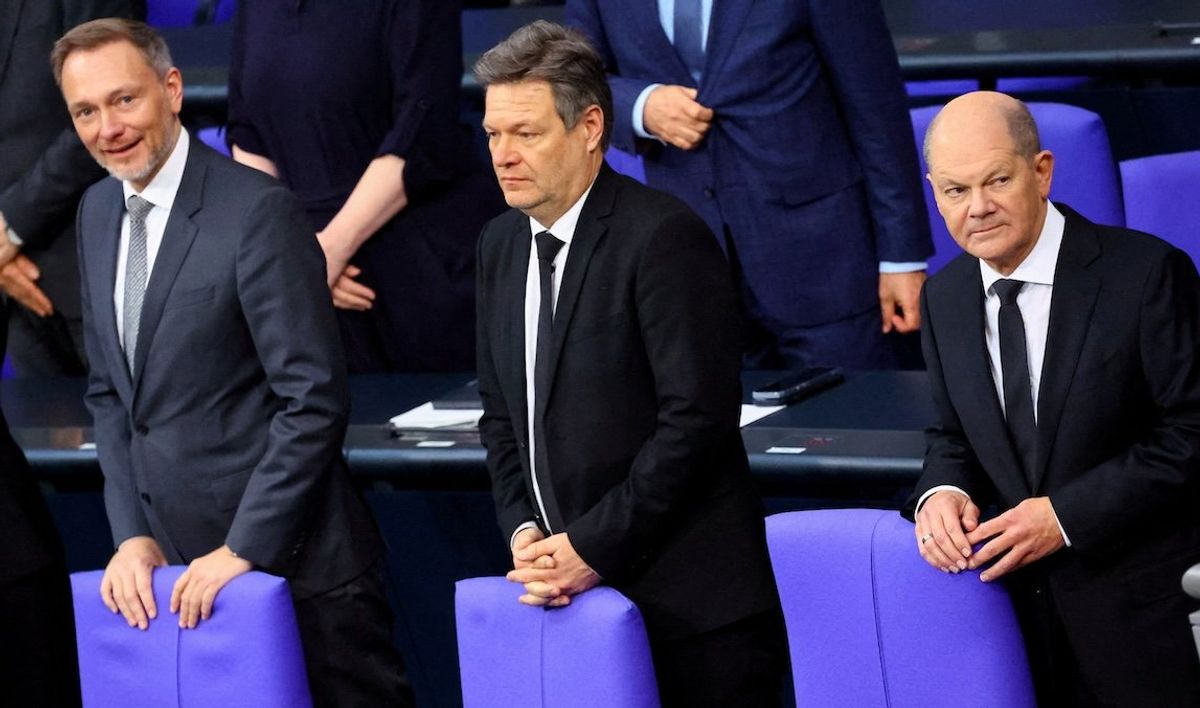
(709,193)
(145,497)
(521,444)
(142,430)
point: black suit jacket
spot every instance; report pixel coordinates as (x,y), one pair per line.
(231,429)
(641,416)
(1119,445)
(29,539)
(45,168)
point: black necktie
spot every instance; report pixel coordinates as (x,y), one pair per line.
(1014,364)
(688,43)
(547,248)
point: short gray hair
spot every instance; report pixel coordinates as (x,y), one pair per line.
(563,58)
(107,30)
(1021,128)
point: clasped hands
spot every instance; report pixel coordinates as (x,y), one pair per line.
(947,527)
(348,293)
(127,583)
(549,568)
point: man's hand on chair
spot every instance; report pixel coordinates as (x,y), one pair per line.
(555,572)
(127,583)
(197,588)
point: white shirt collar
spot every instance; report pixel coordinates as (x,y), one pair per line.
(1038,267)
(162,189)
(564,228)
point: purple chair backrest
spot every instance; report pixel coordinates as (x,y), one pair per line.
(1085,174)
(869,623)
(626,164)
(592,653)
(247,653)
(214,137)
(182,13)
(1162,197)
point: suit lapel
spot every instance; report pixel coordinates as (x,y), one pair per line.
(177,240)
(967,356)
(104,283)
(724,27)
(10,14)
(515,327)
(1071,305)
(588,233)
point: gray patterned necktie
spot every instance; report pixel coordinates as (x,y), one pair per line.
(135,273)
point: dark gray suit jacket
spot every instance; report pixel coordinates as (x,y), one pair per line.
(1118,447)
(231,429)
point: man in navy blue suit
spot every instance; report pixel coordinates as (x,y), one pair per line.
(784,125)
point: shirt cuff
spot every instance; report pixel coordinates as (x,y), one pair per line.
(1066,538)
(527,525)
(902,267)
(639,107)
(935,490)
(11,235)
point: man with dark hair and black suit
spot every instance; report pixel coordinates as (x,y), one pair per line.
(609,371)
(1063,361)
(43,173)
(784,125)
(217,381)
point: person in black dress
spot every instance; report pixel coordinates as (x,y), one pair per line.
(354,104)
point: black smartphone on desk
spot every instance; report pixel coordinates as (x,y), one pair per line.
(797,385)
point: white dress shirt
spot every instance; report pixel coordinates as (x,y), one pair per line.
(1037,272)
(161,193)
(563,230)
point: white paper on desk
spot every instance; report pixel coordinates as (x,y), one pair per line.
(753,413)
(426,417)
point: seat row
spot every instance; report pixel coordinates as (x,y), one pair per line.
(869,623)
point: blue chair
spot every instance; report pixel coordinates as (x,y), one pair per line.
(1085,173)
(214,137)
(1033,84)
(870,623)
(185,13)
(626,164)
(592,653)
(247,653)
(941,87)
(1162,197)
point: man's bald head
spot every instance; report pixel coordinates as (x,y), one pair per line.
(989,176)
(972,110)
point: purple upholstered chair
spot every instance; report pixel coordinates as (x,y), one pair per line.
(214,137)
(626,164)
(183,13)
(869,623)
(1085,174)
(1162,197)
(246,654)
(592,653)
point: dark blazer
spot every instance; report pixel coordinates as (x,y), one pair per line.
(45,168)
(1119,446)
(641,416)
(809,104)
(231,429)
(30,538)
